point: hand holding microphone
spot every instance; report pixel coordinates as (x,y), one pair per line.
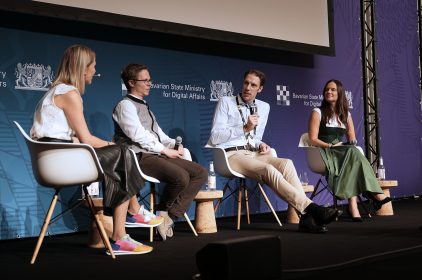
(253,109)
(178,142)
(252,118)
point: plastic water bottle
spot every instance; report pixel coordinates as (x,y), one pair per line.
(381,170)
(212,184)
(304,179)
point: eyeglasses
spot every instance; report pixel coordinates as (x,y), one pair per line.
(146,81)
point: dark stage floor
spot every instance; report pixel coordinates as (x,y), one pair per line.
(379,247)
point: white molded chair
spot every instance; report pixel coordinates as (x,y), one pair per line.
(59,165)
(152,194)
(317,165)
(222,167)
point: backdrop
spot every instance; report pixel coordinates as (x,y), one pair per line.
(186,87)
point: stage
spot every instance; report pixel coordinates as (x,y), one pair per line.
(379,247)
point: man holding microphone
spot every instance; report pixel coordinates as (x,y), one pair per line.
(238,127)
(159,155)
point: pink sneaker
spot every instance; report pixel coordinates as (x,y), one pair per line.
(143,219)
(128,246)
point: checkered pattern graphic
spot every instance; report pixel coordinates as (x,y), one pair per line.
(283,95)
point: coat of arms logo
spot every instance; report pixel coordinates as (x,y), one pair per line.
(220,89)
(33,76)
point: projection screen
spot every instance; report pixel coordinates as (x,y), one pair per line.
(295,25)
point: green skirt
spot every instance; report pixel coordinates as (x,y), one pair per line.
(349,172)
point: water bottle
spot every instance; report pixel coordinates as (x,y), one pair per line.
(212,184)
(381,170)
(304,179)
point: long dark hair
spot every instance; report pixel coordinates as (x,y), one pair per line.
(341,108)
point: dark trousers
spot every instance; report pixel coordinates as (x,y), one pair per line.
(183,180)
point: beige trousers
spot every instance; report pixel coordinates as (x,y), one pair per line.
(278,173)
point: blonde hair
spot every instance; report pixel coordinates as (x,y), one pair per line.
(73,65)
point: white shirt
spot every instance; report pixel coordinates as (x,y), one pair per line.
(50,120)
(126,115)
(333,121)
(227,128)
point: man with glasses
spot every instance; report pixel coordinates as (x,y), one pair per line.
(159,155)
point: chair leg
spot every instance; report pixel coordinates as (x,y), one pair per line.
(45,226)
(152,203)
(190,224)
(247,204)
(100,226)
(239,206)
(269,204)
(217,205)
(76,204)
(315,192)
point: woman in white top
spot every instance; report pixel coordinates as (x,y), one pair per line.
(349,172)
(59,118)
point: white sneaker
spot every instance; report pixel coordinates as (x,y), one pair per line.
(147,214)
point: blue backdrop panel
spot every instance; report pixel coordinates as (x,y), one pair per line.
(186,87)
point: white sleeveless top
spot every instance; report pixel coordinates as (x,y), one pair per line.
(50,120)
(333,121)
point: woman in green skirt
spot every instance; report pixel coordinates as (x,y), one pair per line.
(349,172)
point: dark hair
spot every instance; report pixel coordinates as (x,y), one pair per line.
(257,73)
(131,73)
(341,108)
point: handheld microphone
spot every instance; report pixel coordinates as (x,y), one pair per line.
(178,142)
(96,75)
(253,108)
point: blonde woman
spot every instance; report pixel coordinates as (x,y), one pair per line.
(59,118)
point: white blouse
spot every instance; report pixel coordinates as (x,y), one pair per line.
(50,120)
(333,121)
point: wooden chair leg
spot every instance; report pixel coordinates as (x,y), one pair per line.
(239,206)
(247,204)
(190,224)
(100,226)
(151,205)
(269,203)
(45,226)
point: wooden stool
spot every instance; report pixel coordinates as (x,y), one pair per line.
(94,238)
(387,209)
(292,217)
(204,213)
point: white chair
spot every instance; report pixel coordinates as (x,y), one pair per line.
(222,167)
(59,165)
(152,194)
(317,165)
